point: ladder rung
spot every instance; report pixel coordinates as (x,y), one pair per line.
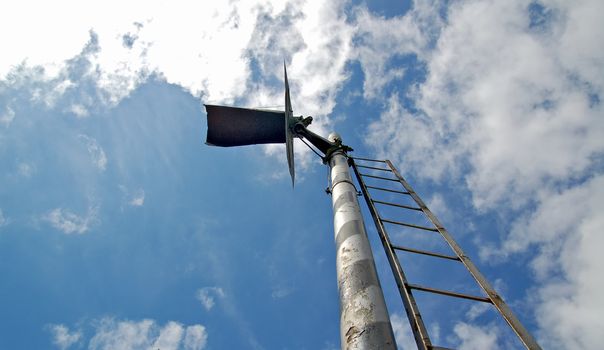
(409,225)
(424,252)
(379,177)
(387,189)
(397,205)
(448,293)
(372,167)
(369,160)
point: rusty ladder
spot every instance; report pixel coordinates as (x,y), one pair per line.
(405,288)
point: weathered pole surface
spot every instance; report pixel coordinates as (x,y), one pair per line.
(364,321)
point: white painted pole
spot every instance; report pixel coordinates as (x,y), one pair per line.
(364,321)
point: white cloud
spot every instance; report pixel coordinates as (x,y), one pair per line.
(68,222)
(513,94)
(477,309)
(146,334)
(37,47)
(62,337)
(566,232)
(476,338)
(517,103)
(402,332)
(96,151)
(169,337)
(512,109)
(26,169)
(439,207)
(135,198)
(315,39)
(378,43)
(208,48)
(317,47)
(3,220)
(79,110)
(403,335)
(7,117)
(280,292)
(138,199)
(112,334)
(140,40)
(207,296)
(196,337)
(409,140)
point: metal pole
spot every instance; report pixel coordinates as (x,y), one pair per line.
(364,321)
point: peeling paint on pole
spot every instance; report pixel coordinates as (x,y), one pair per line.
(364,321)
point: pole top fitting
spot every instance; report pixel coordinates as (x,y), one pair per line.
(336,146)
(335,138)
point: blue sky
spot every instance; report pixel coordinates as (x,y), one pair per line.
(120,229)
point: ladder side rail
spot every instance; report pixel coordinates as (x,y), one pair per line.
(525,337)
(420,332)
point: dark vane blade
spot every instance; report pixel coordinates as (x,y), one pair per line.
(289,121)
(233,126)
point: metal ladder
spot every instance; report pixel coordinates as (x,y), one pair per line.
(405,288)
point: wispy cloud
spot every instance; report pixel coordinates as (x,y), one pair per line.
(26,169)
(208,295)
(62,337)
(196,337)
(110,333)
(97,65)
(376,44)
(7,116)
(280,292)
(69,222)
(169,336)
(96,151)
(402,332)
(511,116)
(138,198)
(523,128)
(473,337)
(476,310)
(565,230)
(3,220)
(134,198)
(79,110)
(439,207)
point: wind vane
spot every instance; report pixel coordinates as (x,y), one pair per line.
(234,126)
(364,321)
